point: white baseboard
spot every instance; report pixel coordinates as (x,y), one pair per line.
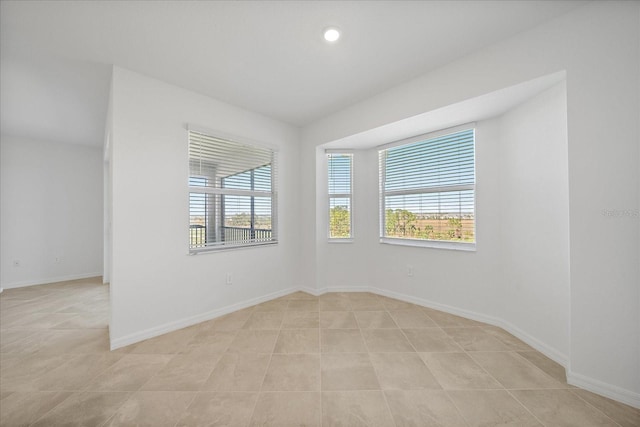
(603,389)
(49,280)
(193,320)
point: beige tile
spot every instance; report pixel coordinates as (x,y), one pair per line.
(386,340)
(412,319)
(23,408)
(366,304)
(183,373)
(624,415)
(402,371)
(514,371)
(219,409)
(335,304)
(253,341)
(342,341)
(171,343)
(262,320)
(548,366)
(229,322)
(375,320)
(152,409)
(273,305)
(303,305)
(446,320)
(423,408)
(507,339)
(394,304)
(457,371)
(129,373)
(300,319)
(355,408)
(238,372)
(24,374)
(298,341)
(338,320)
(10,336)
(84,409)
(99,320)
(431,340)
(76,341)
(210,342)
(483,408)
(348,371)
(75,373)
(287,409)
(475,339)
(561,408)
(293,372)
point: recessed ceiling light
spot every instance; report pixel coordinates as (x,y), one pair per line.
(331,34)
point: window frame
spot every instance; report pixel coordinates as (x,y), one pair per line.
(221,192)
(426,243)
(349,196)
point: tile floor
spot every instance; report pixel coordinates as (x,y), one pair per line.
(342,359)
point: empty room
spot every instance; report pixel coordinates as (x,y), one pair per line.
(319,213)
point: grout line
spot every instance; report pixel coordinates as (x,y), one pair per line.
(589,404)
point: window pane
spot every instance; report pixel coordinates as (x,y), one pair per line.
(217,168)
(433,216)
(339,217)
(444,161)
(416,183)
(339,173)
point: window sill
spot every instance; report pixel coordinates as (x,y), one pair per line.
(434,244)
(225,248)
(337,240)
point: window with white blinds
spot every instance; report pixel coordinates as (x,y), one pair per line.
(232,194)
(427,189)
(339,171)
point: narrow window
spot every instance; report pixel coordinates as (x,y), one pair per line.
(339,168)
(427,190)
(232,194)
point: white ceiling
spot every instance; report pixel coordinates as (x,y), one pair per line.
(268,57)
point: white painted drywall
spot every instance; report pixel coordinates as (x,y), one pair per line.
(51,207)
(597,45)
(156,286)
(534,220)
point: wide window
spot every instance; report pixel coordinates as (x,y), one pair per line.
(232,193)
(339,167)
(427,190)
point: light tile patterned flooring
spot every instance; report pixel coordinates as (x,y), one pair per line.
(342,359)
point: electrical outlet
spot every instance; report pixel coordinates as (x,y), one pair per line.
(409,270)
(16,263)
(229,279)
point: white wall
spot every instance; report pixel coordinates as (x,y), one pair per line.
(597,45)
(51,207)
(156,286)
(534,220)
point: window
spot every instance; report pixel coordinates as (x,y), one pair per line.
(427,190)
(232,194)
(339,167)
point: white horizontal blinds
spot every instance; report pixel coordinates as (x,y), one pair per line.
(339,171)
(232,199)
(428,189)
